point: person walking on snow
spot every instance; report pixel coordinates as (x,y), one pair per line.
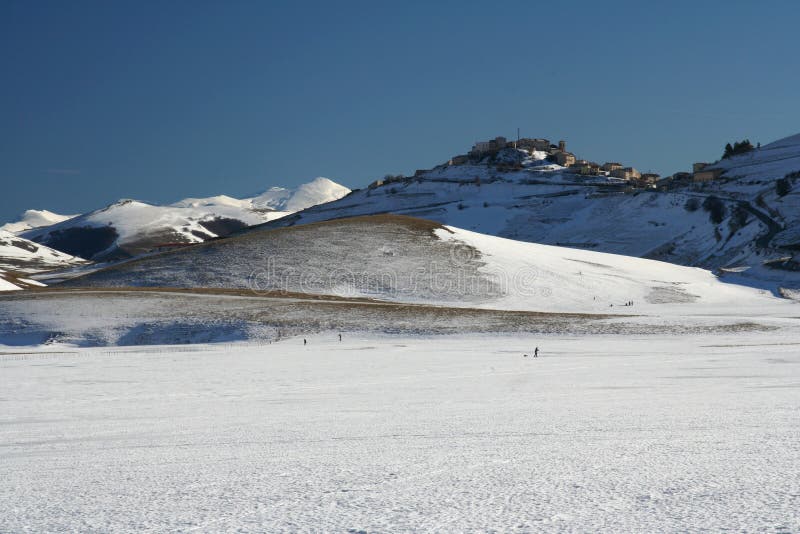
(536,352)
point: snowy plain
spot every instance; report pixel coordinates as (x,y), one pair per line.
(391,433)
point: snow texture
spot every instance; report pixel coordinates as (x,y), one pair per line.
(395,434)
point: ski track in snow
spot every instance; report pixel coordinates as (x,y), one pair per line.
(383,433)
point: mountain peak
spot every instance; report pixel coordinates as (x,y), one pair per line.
(34,219)
(318,191)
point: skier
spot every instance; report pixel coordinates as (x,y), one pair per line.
(536,352)
(340,337)
(304,341)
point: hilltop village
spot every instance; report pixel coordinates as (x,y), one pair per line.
(501,152)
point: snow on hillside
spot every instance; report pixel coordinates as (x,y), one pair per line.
(548,204)
(24,256)
(34,219)
(219,200)
(7,284)
(318,191)
(129,227)
(402,259)
(276,202)
(280,200)
(13,282)
(766,163)
(555,208)
(550,278)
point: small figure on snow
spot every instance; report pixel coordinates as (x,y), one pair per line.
(536,352)
(340,337)
(305,342)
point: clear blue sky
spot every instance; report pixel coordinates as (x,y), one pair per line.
(163,100)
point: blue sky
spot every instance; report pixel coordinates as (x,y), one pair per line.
(163,100)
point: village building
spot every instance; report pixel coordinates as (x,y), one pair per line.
(485,147)
(565,159)
(541,145)
(647,179)
(626,173)
(580,167)
(458,160)
(676,180)
(588,168)
(609,166)
(707,175)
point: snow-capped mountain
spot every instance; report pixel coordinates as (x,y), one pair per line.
(319,191)
(128,228)
(743,223)
(278,199)
(19,256)
(34,219)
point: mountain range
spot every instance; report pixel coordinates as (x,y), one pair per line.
(744,225)
(129,228)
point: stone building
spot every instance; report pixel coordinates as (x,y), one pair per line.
(542,145)
(485,147)
(609,166)
(707,175)
(626,173)
(565,159)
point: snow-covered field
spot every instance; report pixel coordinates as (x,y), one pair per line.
(377,434)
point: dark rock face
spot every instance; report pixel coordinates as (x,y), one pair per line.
(24,245)
(85,242)
(223,226)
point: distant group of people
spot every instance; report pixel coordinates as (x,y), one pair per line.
(629,303)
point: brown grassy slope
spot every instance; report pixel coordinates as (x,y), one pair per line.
(391,257)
